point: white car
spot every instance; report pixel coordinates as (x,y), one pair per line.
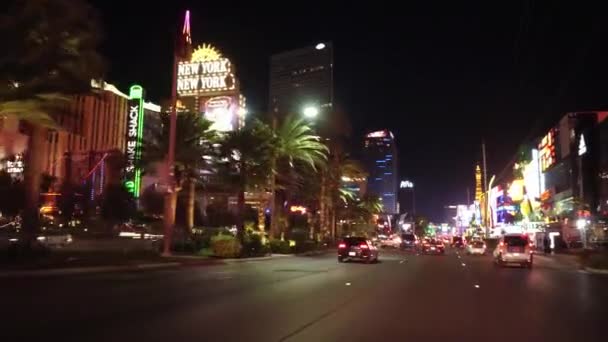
(476,248)
(393,241)
(514,249)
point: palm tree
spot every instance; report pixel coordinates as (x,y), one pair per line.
(340,168)
(249,152)
(51,54)
(194,140)
(295,145)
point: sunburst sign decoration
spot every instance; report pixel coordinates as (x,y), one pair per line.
(205,52)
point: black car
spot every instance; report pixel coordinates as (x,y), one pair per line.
(457,242)
(409,241)
(357,248)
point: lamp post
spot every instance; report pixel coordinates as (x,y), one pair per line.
(581,224)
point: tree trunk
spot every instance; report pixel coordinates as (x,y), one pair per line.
(240,216)
(273,199)
(32,178)
(261,217)
(322,206)
(333,223)
(190,206)
(169,220)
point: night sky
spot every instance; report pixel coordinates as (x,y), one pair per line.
(441,76)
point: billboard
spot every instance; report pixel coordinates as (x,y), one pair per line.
(206,72)
(133,145)
(546,149)
(222,111)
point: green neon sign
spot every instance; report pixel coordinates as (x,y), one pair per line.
(135,131)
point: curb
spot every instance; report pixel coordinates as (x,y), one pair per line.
(240,260)
(596,270)
(86,270)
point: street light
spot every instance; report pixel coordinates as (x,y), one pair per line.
(311,112)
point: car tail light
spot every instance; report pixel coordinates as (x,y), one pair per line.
(342,245)
(363,246)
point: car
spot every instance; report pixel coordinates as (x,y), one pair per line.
(433,246)
(476,247)
(393,241)
(357,248)
(514,249)
(409,241)
(457,242)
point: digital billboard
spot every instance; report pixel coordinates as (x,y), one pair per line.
(546,149)
(135,129)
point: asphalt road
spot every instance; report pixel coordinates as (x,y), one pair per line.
(402,298)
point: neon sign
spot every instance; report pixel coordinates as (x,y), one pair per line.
(547,150)
(298,209)
(135,128)
(206,72)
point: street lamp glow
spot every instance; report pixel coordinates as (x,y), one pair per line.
(581,223)
(320,46)
(311,112)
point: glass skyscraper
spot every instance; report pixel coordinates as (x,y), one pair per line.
(380,156)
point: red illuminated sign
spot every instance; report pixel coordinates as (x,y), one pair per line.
(546,150)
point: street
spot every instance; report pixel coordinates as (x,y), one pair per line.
(405,297)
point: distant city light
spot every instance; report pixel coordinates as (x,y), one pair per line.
(320,46)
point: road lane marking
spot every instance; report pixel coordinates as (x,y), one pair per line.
(347,284)
(476,286)
(463,264)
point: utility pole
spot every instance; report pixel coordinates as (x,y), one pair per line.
(485,187)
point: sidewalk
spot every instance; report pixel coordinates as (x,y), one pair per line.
(64,267)
(560,259)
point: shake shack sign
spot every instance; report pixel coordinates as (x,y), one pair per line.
(135,120)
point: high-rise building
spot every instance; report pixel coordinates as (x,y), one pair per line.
(381,163)
(302,78)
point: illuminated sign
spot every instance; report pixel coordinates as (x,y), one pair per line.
(221,111)
(135,128)
(206,72)
(547,150)
(516,190)
(14,166)
(406,185)
(582,146)
(298,209)
(377,134)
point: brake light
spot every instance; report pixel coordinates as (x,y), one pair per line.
(363,246)
(342,245)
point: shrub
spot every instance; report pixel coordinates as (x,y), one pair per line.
(254,246)
(225,246)
(280,247)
